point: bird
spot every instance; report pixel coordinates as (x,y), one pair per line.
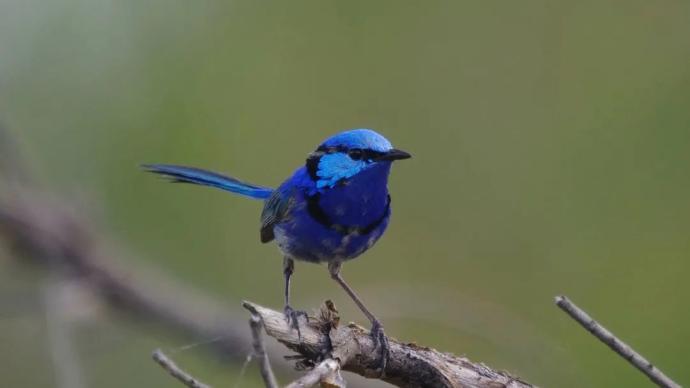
(330,210)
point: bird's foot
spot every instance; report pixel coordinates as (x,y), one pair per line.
(381,341)
(292,318)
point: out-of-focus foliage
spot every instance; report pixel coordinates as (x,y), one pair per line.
(551,146)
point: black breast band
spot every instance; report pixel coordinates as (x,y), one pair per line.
(320,216)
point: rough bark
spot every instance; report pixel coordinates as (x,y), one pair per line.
(410,365)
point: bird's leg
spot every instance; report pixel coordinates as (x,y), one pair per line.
(377,333)
(290,314)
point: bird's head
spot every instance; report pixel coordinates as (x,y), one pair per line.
(349,153)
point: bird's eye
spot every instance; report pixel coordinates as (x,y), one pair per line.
(355,154)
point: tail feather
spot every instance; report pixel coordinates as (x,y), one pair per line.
(198,176)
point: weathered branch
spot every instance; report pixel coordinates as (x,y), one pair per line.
(327,373)
(175,371)
(410,365)
(260,352)
(618,346)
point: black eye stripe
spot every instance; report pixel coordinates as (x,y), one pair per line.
(367,154)
(314,158)
(355,154)
(312,164)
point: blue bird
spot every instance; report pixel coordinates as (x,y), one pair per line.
(330,210)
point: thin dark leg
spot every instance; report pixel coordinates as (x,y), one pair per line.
(288,269)
(334,269)
(377,333)
(290,314)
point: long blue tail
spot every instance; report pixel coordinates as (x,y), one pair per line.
(208,178)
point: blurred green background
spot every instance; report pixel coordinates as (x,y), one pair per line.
(551,143)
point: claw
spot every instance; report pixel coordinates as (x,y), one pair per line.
(292,316)
(380,340)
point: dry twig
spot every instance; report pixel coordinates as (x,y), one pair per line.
(618,346)
(260,352)
(175,371)
(327,374)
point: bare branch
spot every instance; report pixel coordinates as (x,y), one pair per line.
(410,365)
(327,374)
(175,371)
(618,346)
(260,352)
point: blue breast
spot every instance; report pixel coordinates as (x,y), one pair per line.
(354,215)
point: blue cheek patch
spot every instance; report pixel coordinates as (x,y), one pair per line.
(335,167)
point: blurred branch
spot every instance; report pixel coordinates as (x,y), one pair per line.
(618,346)
(55,237)
(68,372)
(410,365)
(176,372)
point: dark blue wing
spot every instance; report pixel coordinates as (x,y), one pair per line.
(276,209)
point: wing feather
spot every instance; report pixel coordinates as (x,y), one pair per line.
(276,209)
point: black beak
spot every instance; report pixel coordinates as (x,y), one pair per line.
(394,155)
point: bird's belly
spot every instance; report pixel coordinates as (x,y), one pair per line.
(302,238)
